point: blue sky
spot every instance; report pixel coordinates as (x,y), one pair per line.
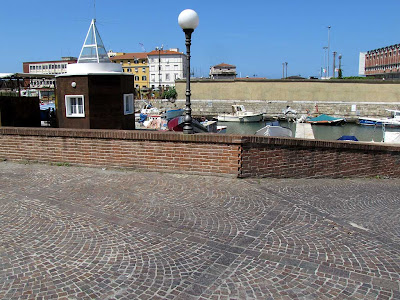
(255,35)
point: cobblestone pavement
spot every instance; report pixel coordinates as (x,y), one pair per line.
(83,233)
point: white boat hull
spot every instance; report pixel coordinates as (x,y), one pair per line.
(240,118)
(389,122)
(274,131)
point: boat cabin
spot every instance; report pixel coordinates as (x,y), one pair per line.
(394,113)
(238,108)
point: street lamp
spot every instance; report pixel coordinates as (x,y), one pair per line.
(286,68)
(329,51)
(188,20)
(159,49)
(334,63)
(325,64)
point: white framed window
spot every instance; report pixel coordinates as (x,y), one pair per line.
(74,106)
(167,77)
(128,104)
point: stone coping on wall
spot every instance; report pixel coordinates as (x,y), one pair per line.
(168,136)
(330,81)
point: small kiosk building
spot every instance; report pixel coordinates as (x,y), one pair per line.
(95,93)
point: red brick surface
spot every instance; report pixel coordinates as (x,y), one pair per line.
(239,156)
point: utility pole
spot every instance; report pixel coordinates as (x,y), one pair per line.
(286,68)
(334,60)
(329,45)
(325,66)
(283,70)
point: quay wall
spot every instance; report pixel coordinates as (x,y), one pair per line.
(207,154)
(334,97)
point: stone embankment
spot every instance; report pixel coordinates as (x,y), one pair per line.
(348,99)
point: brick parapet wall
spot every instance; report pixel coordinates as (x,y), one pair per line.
(297,158)
(143,150)
(214,154)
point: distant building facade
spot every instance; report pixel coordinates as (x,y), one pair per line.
(165,67)
(54,67)
(223,71)
(137,65)
(382,62)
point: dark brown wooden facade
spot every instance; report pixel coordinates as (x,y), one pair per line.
(103,101)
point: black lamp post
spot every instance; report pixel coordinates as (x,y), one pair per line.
(188,20)
(159,49)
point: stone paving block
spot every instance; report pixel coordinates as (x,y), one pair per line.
(87,233)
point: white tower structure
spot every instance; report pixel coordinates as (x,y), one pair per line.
(93,50)
(93,57)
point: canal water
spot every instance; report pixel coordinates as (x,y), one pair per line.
(321,132)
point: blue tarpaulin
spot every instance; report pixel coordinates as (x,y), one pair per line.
(347,138)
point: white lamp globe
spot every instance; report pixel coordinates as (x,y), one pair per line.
(188,19)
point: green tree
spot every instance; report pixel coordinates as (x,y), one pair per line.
(340,74)
(171,94)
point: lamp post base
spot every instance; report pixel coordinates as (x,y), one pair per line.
(187,128)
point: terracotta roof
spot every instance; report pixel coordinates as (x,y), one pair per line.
(130,56)
(225,65)
(164,52)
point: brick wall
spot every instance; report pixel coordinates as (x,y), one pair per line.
(297,158)
(145,150)
(212,154)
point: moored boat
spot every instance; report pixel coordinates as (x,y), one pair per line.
(393,121)
(348,138)
(155,122)
(325,120)
(213,127)
(173,113)
(239,114)
(176,124)
(274,129)
(47,111)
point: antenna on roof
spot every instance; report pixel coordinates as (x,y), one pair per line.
(94,9)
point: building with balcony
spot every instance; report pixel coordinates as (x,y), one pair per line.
(165,67)
(381,63)
(223,71)
(137,65)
